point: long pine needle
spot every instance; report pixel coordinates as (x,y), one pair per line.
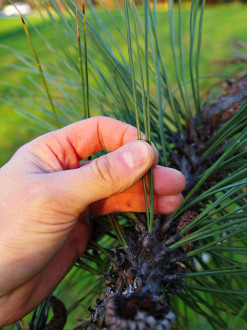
(131,64)
(81,67)
(182,64)
(173,46)
(197,56)
(41,72)
(195,93)
(85,57)
(148,118)
(126,6)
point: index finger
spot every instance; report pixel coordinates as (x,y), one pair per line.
(97,133)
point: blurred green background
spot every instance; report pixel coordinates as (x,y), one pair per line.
(222,24)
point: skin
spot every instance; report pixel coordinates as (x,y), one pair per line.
(47,193)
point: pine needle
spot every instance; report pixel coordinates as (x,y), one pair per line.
(40,71)
(126,6)
(81,68)
(86,57)
(148,118)
(173,44)
(118,230)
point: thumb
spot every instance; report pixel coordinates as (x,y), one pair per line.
(107,175)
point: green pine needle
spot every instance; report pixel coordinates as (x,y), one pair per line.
(81,68)
(41,72)
(86,57)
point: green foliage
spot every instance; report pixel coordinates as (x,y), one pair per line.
(13,35)
(215,286)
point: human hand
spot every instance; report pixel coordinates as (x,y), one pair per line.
(44,191)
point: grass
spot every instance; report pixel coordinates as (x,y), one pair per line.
(219,29)
(12,35)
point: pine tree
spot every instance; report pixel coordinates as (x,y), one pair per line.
(155,271)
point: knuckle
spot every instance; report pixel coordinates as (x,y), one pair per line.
(103,170)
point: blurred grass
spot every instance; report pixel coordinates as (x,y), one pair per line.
(15,131)
(221,24)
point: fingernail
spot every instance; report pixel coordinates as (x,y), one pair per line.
(135,154)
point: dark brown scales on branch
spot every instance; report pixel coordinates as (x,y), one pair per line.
(142,272)
(59,315)
(137,312)
(188,155)
(185,219)
(147,269)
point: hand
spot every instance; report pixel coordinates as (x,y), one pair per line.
(44,191)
